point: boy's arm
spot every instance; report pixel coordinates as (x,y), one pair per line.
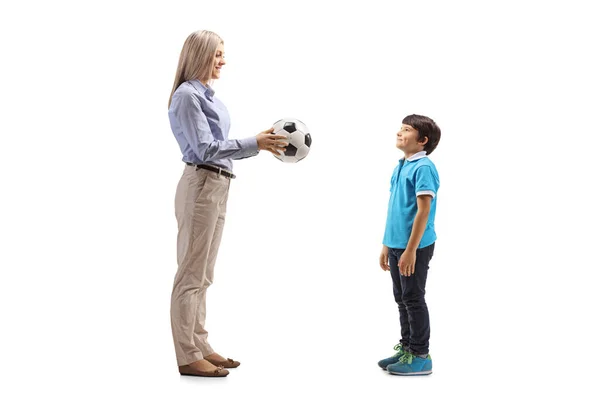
(384,257)
(423,208)
(409,257)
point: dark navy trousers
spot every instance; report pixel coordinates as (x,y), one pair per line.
(409,293)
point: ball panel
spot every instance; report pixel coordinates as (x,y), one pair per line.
(289,160)
(289,126)
(302,152)
(291,150)
(297,139)
(307,140)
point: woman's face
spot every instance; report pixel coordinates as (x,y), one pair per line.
(219,62)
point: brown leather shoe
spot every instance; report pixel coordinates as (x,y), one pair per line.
(219,372)
(229,363)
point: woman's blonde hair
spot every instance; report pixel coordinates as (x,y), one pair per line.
(197,58)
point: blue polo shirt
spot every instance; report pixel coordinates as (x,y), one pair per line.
(415,176)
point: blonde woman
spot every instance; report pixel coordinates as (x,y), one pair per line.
(200,123)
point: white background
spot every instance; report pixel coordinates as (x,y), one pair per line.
(89,169)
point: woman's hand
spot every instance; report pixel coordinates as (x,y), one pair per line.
(273,143)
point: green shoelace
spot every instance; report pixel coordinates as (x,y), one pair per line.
(406,358)
(399,349)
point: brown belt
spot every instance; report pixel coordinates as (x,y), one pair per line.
(212,168)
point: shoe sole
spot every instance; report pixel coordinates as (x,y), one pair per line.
(204,376)
(411,373)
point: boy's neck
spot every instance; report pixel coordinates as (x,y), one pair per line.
(409,154)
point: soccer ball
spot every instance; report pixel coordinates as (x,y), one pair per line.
(297,136)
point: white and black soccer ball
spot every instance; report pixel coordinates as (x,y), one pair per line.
(297,136)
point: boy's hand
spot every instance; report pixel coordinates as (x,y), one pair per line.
(383,259)
(407,262)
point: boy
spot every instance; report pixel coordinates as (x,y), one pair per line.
(409,240)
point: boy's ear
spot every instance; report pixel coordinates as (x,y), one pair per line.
(424,141)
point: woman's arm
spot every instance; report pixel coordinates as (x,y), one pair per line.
(196,130)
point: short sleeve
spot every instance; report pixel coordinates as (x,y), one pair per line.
(426,182)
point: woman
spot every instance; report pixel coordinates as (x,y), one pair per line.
(200,123)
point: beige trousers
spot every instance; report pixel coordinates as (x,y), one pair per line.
(200,206)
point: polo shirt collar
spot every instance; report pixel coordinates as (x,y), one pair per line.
(416,156)
(202,88)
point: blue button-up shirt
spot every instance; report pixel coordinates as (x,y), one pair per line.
(200,123)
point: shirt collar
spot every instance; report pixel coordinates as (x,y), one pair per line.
(416,156)
(207,90)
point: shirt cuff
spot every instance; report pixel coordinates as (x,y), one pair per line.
(426,193)
(249,146)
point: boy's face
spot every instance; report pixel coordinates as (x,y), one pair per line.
(407,140)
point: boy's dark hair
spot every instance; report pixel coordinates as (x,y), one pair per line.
(426,128)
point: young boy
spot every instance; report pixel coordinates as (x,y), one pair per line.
(409,240)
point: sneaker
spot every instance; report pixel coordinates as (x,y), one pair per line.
(409,364)
(394,359)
